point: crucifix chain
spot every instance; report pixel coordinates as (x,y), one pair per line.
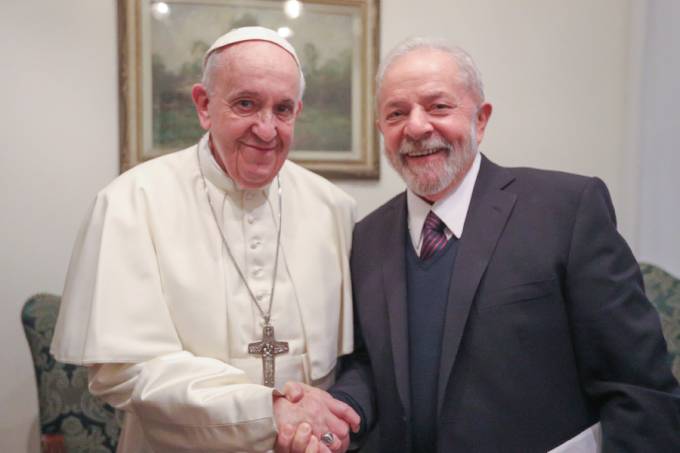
(268,347)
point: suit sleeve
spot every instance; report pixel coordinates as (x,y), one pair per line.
(620,349)
(355,383)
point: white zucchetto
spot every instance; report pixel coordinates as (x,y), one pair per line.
(251,34)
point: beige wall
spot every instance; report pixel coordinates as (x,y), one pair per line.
(557,71)
(58,145)
(659,225)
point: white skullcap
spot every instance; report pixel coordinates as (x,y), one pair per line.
(251,34)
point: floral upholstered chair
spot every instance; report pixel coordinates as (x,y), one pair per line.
(71,419)
(663,291)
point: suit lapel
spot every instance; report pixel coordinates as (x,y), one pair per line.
(487,215)
(394,287)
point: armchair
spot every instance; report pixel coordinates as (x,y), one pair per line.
(663,290)
(71,419)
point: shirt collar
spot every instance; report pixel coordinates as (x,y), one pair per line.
(452,209)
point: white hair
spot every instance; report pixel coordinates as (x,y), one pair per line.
(467,68)
(213,63)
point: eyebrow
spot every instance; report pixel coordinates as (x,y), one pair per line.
(435,94)
(394,103)
(255,94)
(245,93)
(427,97)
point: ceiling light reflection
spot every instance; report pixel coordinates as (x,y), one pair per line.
(292,8)
(159,10)
(284,32)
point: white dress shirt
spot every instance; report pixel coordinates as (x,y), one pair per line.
(452,209)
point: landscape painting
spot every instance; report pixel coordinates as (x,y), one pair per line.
(335,42)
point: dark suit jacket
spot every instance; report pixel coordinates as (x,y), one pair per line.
(547,327)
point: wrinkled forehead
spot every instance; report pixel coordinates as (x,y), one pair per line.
(257,60)
(417,70)
(257,68)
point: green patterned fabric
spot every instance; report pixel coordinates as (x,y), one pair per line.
(66,406)
(663,291)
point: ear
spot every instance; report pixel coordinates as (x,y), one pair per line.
(483,115)
(298,110)
(201,99)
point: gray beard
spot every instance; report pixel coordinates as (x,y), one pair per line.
(432,178)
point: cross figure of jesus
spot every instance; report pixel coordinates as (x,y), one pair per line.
(268,348)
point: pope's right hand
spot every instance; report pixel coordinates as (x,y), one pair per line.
(305,414)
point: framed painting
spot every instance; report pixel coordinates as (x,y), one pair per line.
(161,48)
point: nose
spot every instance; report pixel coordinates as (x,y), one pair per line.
(265,128)
(417,125)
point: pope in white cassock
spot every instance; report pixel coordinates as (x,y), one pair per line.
(200,276)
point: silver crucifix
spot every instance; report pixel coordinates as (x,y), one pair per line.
(268,348)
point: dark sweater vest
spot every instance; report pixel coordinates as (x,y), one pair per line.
(427,296)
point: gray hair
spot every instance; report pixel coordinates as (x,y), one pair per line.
(468,69)
(213,62)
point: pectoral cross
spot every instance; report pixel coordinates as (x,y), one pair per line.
(268,348)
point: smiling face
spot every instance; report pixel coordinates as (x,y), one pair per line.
(250,109)
(431,122)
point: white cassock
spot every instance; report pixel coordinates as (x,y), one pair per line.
(154,304)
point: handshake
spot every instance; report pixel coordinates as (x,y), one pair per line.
(310,420)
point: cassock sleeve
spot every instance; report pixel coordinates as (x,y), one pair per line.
(617,337)
(187,403)
(114,318)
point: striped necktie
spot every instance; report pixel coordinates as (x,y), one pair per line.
(434,238)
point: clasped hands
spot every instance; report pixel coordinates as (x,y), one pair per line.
(304,414)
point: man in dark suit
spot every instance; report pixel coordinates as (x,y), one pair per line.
(497,309)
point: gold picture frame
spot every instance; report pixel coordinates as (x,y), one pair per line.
(161,46)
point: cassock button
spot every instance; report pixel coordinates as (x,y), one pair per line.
(257,272)
(250,219)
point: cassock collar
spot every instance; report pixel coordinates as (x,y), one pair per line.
(214,173)
(452,209)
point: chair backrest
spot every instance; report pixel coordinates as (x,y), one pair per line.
(663,290)
(66,406)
